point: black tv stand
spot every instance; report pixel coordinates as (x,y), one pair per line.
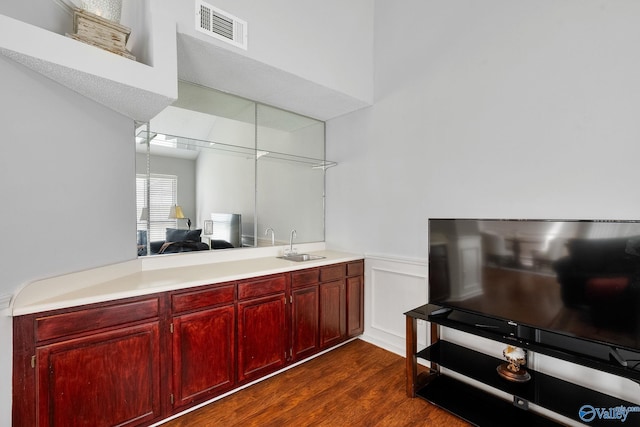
(486,409)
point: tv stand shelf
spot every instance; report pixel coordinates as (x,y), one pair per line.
(613,367)
(482,408)
(476,406)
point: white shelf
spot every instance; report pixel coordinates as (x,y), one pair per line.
(136,90)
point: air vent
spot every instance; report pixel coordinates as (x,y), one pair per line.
(221,25)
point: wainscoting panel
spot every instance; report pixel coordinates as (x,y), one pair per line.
(393,286)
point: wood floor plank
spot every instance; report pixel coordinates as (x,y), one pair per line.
(357,384)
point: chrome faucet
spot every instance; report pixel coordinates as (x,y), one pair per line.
(293,236)
(273,235)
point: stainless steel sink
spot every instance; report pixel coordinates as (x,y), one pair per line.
(301,257)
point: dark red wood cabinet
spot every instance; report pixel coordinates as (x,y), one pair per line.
(333,303)
(355,298)
(95,366)
(304,313)
(203,332)
(262,332)
(106,379)
(136,361)
(333,324)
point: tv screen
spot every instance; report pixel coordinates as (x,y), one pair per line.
(576,278)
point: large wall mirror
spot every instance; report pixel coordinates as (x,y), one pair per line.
(215,171)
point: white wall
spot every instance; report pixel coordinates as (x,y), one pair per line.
(66,168)
(489,109)
(50,15)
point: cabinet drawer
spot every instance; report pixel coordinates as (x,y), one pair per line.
(76,322)
(355,268)
(263,286)
(208,297)
(305,277)
(332,272)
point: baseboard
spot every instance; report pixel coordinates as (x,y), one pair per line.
(400,351)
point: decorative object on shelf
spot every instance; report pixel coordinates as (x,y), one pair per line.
(144,215)
(176,213)
(208,227)
(101,32)
(107,9)
(513,370)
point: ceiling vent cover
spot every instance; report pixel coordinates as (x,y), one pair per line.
(221,25)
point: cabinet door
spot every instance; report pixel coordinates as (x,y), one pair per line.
(333,310)
(105,379)
(355,306)
(262,336)
(304,322)
(203,354)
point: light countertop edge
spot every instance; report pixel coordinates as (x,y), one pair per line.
(147,282)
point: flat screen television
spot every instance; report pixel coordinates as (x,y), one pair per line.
(558,279)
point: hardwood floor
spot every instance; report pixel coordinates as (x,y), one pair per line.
(357,384)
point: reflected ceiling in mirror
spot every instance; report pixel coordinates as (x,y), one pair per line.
(207,154)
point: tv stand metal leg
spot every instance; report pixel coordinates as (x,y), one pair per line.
(411,361)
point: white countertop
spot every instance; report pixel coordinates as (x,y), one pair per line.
(129,280)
